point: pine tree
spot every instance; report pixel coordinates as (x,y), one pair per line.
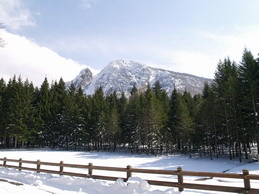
(98,118)
(131,133)
(173,135)
(157,89)
(19,111)
(83,105)
(2,112)
(56,123)
(71,119)
(31,113)
(226,86)
(162,109)
(165,102)
(185,127)
(44,112)
(122,111)
(206,120)
(249,77)
(134,90)
(113,130)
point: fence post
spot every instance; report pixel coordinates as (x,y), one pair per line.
(129,173)
(90,169)
(38,166)
(180,179)
(61,168)
(246,181)
(20,164)
(4,164)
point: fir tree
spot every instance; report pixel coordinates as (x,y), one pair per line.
(131,133)
(225,86)
(249,78)
(19,111)
(151,116)
(2,112)
(173,119)
(99,108)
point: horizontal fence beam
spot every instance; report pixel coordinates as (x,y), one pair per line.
(213,174)
(129,170)
(154,171)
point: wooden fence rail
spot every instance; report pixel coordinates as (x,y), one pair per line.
(129,170)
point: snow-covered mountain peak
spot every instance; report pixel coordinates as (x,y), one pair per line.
(121,75)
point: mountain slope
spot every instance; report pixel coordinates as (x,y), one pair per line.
(122,75)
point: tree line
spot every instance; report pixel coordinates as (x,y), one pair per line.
(221,120)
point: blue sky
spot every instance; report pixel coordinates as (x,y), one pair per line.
(188,36)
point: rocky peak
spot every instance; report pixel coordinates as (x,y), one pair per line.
(83,79)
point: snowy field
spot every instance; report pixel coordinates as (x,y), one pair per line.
(31,182)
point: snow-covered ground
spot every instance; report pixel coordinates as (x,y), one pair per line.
(32,182)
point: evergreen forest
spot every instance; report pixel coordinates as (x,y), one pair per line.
(223,120)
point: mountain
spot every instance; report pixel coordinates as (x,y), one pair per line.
(122,75)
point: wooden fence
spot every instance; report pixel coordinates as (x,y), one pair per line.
(129,170)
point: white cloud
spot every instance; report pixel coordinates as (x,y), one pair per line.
(233,44)
(203,60)
(195,63)
(21,56)
(14,14)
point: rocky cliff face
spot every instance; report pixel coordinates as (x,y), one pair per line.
(121,75)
